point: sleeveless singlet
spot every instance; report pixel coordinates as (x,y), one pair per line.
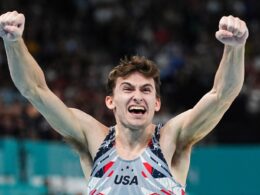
(148,174)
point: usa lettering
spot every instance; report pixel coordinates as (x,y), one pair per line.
(126,180)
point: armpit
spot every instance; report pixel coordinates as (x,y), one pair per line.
(81,148)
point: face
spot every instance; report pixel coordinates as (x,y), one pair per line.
(134,101)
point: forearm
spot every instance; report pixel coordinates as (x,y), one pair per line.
(230,74)
(25,72)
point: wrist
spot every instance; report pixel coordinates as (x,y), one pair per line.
(13,42)
(234,47)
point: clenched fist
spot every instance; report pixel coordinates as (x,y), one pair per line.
(232,31)
(11,26)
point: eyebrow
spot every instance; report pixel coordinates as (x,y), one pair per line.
(147,85)
(129,84)
(126,83)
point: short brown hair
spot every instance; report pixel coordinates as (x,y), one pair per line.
(135,64)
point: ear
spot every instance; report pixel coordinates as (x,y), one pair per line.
(157,104)
(110,102)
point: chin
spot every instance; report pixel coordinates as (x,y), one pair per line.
(136,125)
(135,122)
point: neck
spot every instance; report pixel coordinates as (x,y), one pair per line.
(132,141)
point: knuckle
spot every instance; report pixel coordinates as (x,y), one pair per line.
(21,16)
(223,19)
(222,22)
(230,16)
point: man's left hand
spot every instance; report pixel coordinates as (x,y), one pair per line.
(232,31)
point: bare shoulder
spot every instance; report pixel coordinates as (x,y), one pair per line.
(88,122)
(94,133)
(170,132)
(171,144)
(176,156)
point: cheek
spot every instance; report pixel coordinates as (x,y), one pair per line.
(156,104)
(120,101)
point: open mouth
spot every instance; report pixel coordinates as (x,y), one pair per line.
(136,109)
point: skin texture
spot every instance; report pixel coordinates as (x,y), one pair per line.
(133,130)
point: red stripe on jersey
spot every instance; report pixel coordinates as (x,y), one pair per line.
(110,174)
(148,167)
(166,192)
(145,176)
(108,166)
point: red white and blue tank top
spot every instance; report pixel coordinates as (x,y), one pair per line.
(148,174)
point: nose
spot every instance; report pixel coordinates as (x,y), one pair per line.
(138,100)
(138,97)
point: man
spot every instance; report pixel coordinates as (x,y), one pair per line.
(135,156)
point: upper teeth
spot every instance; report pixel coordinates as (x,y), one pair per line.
(136,108)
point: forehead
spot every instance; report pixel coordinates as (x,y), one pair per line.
(136,79)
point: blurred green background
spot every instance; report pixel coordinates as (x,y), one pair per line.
(221,170)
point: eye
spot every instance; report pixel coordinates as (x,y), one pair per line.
(146,90)
(127,89)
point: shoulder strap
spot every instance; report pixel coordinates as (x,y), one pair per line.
(155,143)
(107,144)
(157,131)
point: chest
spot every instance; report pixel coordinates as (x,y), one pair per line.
(147,172)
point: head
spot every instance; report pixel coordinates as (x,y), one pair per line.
(134,91)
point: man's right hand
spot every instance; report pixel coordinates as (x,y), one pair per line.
(11,26)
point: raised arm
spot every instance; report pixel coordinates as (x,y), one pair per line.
(192,125)
(30,81)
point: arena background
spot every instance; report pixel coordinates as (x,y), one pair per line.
(76,42)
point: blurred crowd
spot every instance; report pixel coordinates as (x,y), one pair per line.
(77,42)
